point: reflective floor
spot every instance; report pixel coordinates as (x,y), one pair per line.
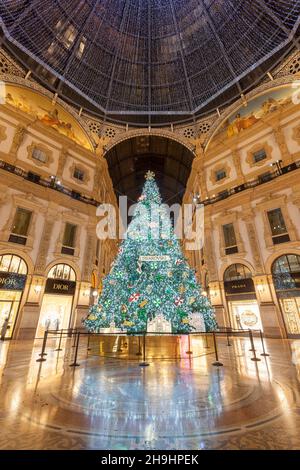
(109,403)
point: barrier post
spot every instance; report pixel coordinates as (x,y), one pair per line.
(42,354)
(189,346)
(254,358)
(74,331)
(88,343)
(263,345)
(144,363)
(217,362)
(59,344)
(75,363)
(139,353)
(227,334)
(206,342)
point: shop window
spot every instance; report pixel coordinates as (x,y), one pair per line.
(12,264)
(78,174)
(229,239)
(69,239)
(220,175)
(39,155)
(62,271)
(278,227)
(20,226)
(286,279)
(259,156)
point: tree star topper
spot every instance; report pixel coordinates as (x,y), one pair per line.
(150,175)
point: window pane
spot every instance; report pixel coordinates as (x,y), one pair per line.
(39,155)
(276,222)
(5,262)
(229,235)
(259,156)
(236,272)
(21,222)
(294,262)
(78,174)
(220,174)
(69,235)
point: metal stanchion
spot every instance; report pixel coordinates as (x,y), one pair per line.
(144,363)
(74,331)
(88,343)
(217,362)
(59,344)
(189,347)
(254,358)
(227,334)
(263,345)
(206,342)
(252,345)
(42,354)
(75,363)
(139,353)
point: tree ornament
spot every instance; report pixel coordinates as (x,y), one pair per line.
(182,289)
(191,300)
(134,297)
(123,308)
(143,303)
(178,301)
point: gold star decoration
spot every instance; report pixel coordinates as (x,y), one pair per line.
(150,175)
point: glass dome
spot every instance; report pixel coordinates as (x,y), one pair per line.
(149,61)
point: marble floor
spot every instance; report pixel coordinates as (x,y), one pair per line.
(111,403)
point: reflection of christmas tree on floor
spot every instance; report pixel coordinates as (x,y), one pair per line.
(150,277)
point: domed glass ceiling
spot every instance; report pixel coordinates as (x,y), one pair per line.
(150,58)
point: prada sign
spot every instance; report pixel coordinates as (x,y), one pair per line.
(59,286)
(12,281)
(240,286)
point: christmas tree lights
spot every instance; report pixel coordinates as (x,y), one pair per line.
(150,276)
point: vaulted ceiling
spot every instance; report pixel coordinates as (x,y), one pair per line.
(129,161)
(150,61)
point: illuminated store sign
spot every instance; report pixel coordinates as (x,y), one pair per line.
(59,286)
(241,286)
(12,281)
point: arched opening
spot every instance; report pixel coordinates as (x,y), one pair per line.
(170,160)
(58,299)
(241,298)
(286,279)
(13,276)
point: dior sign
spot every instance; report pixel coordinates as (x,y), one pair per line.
(12,281)
(59,286)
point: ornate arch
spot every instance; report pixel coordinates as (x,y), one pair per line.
(235,261)
(126,135)
(64,261)
(21,254)
(16,80)
(262,89)
(274,256)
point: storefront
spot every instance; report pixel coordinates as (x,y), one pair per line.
(57,304)
(241,298)
(13,275)
(286,279)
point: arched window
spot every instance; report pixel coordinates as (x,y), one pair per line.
(236,272)
(13,264)
(286,264)
(62,271)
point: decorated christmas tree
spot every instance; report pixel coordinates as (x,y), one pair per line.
(150,276)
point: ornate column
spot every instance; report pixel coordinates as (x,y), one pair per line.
(248,218)
(50,219)
(209,252)
(18,139)
(62,162)
(281,142)
(237,163)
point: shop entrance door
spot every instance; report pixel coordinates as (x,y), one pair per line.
(9,306)
(245,315)
(290,307)
(55,313)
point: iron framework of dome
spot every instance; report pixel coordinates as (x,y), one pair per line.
(150,61)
